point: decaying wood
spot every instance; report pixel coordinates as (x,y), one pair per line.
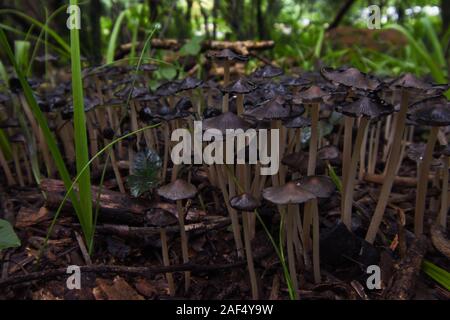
(440,241)
(400,181)
(242,47)
(403,282)
(117,206)
(193,228)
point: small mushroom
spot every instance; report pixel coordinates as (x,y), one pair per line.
(239,87)
(178,191)
(246,203)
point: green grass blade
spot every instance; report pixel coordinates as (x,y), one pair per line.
(81,139)
(42,121)
(438,51)
(437,274)
(113,38)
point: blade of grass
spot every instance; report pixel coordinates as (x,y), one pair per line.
(437,274)
(113,38)
(81,139)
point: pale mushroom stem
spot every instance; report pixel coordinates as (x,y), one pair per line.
(116,169)
(422,183)
(347,153)
(166,150)
(442,217)
(166,261)
(349,186)
(134,122)
(390,170)
(9,176)
(362,157)
(240,104)
(249,255)
(290,244)
(370,153)
(316,252)
(226,80)
(184,244)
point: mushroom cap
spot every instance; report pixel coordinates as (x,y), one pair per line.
(267,71)
(242,85)
(135,92)
(244,202)
(226,54)
(190,83)
(177,190)
(370,106)
(434,111)
(296,160)
(168,88)
(416,153)
(273,109)
(297,122)
(329,152)
(411,83)
(291,81)
(227,120)
(320,186)
(314,94)
(351,77)
(161,218)
(290,193)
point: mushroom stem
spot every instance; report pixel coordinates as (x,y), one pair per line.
(422,184)
(226,80)
(134,122)
(316,252)
(240,104)
(184,244)
(116,169)
(362,157)
(15,154)
(442,217)
(166,150)
(290,245)
(390,171)
(347,153)
(9,177)
(314,112)
(166,260)
(249,255)
(349,186)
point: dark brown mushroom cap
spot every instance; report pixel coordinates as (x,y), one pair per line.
(273,109)
(291,81)
(416,152)
(290,193)
(244,202)
(351,77)
(313,94)
(168,88)
(297,122)
(320,186)
(227,120)
(370,106)
(190,83)
(296,161)
(267,71)
(241,86)
(226,54)
(329,152)
(135,92)
(161,218)
(411,83)
(433,111)
(177,190)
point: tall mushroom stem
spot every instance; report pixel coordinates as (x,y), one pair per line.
(347,153)
(249,255)
(391,167)
(240,104)
(226,80)
(442,217)
(422,183)
(316,252)
(166,260)
(349,186)
(9,176)
(290,244)
(116,169)
(184,244)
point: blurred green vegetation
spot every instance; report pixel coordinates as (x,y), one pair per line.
(414,35)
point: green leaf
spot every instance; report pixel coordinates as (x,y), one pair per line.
(168,72)
(192,47)
(8,238)
(437,274)
(145,172)
(22,53)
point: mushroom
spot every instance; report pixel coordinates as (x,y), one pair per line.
(178,191)
(246,203)
(367,107)
(239,87)
(435,113)
(322,187)
(163,219)
(407,85)
(290,194)
(226,57)
(108,134)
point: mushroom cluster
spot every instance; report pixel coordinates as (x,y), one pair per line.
(298,107)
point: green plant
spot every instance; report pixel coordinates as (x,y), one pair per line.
(8,238)
(437,274)
(145,172)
